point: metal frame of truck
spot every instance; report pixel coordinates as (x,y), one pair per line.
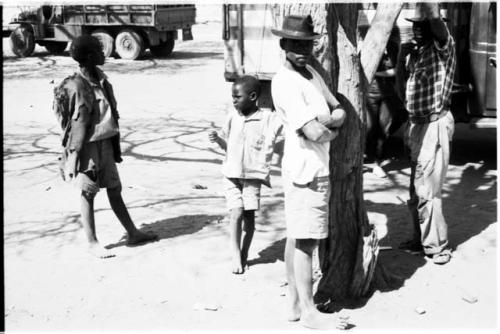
(127,30)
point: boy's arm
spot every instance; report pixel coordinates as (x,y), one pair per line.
(79,126)
(222,143)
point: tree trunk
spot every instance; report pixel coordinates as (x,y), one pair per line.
(348,256)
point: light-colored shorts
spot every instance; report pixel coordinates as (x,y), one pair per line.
(99,166)
(242,193)
(306,208)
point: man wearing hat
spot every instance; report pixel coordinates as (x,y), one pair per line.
(311,117)
(428,74)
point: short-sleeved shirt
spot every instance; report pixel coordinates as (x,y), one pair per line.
(298,101)
(430,80)
(250,144)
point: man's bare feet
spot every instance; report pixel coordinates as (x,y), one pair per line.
(96,250)
(140,237)
(293,312)
(293,304)
(317,320)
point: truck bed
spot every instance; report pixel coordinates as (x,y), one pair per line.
(162,17)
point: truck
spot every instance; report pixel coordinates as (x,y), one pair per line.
(125,31)
(251,48)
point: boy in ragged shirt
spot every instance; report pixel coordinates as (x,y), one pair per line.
(248,137)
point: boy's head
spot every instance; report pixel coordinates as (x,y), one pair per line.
(246,92)
(87,50)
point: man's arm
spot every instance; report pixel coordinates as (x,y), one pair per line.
(317,132)
(438,27)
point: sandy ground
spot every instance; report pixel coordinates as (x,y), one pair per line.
(167,108)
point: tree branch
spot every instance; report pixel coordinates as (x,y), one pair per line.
(377,36)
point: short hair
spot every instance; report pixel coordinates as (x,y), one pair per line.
(82,46)
(249,82)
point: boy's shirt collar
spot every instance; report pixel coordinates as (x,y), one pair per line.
(100,74)
(255,116)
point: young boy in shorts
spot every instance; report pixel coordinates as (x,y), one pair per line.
(248,137)
(86,109)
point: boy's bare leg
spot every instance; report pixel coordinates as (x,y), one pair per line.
(235,219)
(310,316)
(293,297)
(248,229)
(135,236)
(88,222)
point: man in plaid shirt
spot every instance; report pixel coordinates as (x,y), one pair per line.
(428,73)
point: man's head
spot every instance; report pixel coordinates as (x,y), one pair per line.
(87,50)
(245,92)
(297,36)
(297,51)
(422,32)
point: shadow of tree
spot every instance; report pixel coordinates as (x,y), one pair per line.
(174,227)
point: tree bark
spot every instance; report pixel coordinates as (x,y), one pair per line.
(346,273)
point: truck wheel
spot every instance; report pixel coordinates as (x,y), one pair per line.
(55,47)
(129,44)
(22,41)
(164,49)
(107,41)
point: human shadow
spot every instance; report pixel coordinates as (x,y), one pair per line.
(271,254)
(173,227)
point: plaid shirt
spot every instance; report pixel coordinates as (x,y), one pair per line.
(430,80)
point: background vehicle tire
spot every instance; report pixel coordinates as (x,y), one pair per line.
(22,41)
(107,41)
(55,47)
(129,44)
(164,49)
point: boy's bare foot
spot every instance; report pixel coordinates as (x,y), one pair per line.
(317,320)
(100,252)
(236,265)
(140,237)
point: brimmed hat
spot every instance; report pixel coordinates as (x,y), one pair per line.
(420,15)
(297,27)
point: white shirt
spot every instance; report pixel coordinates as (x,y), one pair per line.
(298,101)
(250,143)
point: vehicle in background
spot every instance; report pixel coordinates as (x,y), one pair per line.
(251,48)
(123,30)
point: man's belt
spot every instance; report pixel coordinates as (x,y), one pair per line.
(428,118)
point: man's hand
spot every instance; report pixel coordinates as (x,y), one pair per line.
(430,9)
(335,120)
(317,132)
(213,136)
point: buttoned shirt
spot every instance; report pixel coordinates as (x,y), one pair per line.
(250,144)
(430,80)
(298,101)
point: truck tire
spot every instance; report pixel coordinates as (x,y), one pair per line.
(107,41)
(55,47)
(164,49)
(129,44)
(22,41)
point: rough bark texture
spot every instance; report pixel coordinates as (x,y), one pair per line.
(336,57)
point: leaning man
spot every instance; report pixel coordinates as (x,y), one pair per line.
(428,72)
